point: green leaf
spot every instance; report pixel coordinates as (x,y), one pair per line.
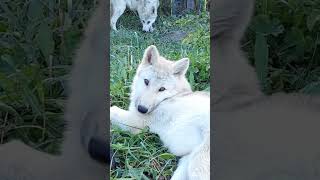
(44,39)
(312,88)
(136,172)
(3,27)
(263,24)
(32,101)
(6,108)
(35,10)
(41,94)
(67,21)
(261,54)
(6,64)
(313,18)
(167,156)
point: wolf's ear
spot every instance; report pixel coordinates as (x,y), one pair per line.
(151,55)
(180,67)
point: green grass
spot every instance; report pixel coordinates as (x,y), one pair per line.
(142,156)
(283,44)
(37,41)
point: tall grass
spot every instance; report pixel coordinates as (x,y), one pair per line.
(283,44)
(37,41)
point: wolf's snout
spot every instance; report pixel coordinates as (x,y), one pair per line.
(147,28)
(142,109)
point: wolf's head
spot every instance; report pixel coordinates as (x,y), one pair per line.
(148,14)
(157,79)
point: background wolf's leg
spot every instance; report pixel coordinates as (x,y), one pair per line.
(126,120)
(118,10)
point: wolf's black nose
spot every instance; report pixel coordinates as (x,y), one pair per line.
(142,109)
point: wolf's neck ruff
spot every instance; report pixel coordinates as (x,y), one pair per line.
(184,93)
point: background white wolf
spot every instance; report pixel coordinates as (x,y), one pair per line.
(147,10)
(162,99)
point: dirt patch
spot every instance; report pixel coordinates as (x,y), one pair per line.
(175,36)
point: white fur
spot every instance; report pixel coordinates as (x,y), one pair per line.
(147,10)
(179,116)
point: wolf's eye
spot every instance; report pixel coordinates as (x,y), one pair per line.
(143,21)
(148,22)
(146,82)
(162,89)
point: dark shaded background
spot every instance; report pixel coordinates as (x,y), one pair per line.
(273,137)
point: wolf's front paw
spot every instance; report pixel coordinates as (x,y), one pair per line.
(115,114)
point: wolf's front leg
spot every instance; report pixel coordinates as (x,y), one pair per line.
(126,120)
(118,8)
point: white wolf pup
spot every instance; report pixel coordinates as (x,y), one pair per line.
(147,10)
(162,99)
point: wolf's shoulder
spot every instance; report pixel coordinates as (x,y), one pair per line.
(190,100)
(202,93)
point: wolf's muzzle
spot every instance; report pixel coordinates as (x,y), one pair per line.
(142,109)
